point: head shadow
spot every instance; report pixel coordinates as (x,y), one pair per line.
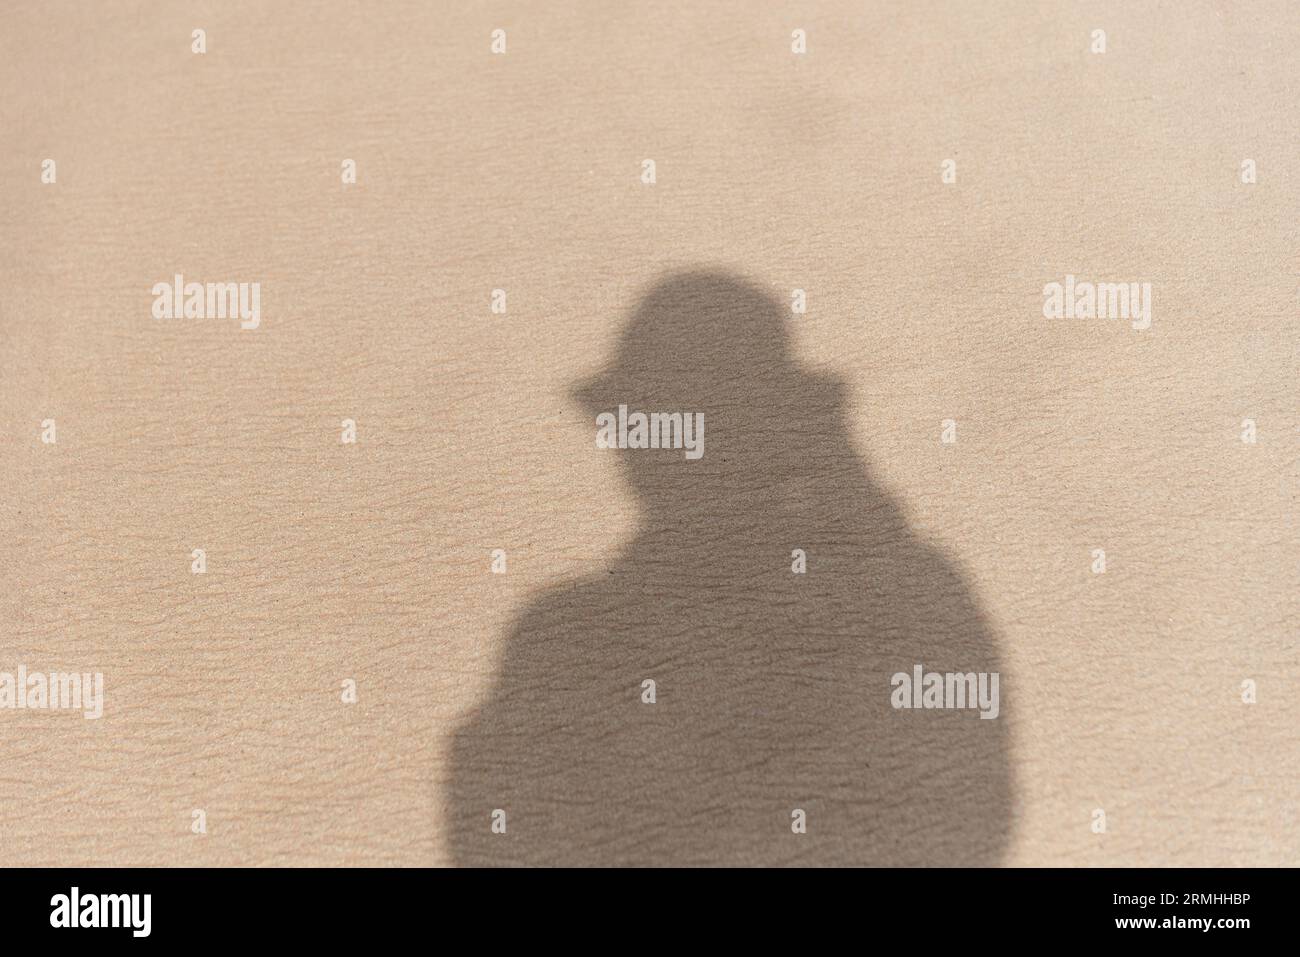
(770,593)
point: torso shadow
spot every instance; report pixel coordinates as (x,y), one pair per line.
(772,688)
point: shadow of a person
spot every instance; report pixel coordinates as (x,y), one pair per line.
(773,689)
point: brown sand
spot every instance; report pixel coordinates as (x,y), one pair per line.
(370,561)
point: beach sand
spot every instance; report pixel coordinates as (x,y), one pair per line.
(329,561)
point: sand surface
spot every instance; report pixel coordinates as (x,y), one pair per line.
(329,561)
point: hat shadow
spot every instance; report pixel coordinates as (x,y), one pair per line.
(771,686)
